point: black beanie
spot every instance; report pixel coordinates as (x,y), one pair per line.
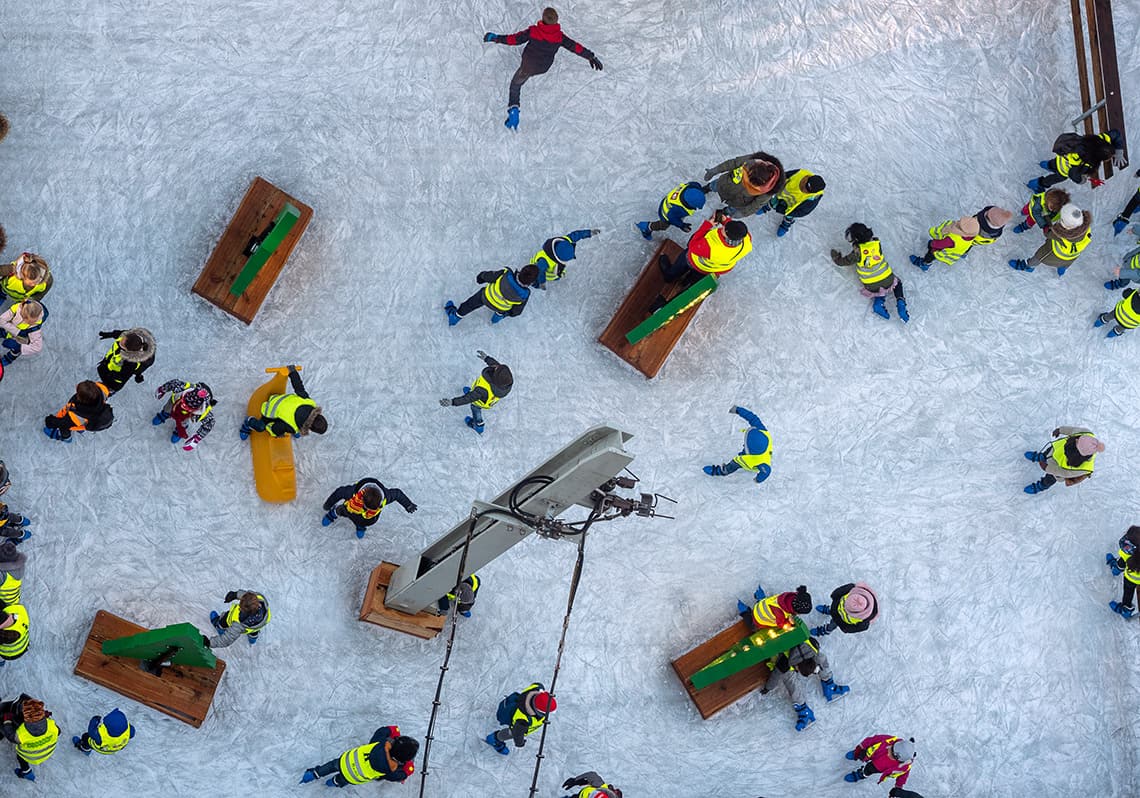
(735,230)
(815,183)
(801,604)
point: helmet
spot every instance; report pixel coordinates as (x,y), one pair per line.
(563,250)
(1071,216)
(692,197)
(544,703)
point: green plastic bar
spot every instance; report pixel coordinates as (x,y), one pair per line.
(752,650)
(674,308)
(281,227)
(148,645)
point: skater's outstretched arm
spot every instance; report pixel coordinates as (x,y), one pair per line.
(295,381)
(749,416)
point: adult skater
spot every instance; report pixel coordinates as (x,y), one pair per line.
(188,403)
(677,206)
(715,248)
(293,414)
(521,713)
(747,183)
(1077,157)
(542,40)
(555,254)
(1065,240)
(876,279)
(30,728)
(1070,456)
(106,735)
(247,617)
(386,757)
(806,660)
(493,383)
(505,294)
(889,756)
(853,607)
(362,503)
(593,786)
(130,355)
(1125,562)
(756,456)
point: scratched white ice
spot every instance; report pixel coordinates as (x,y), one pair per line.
(136,128)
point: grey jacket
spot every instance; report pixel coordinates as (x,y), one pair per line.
(735,195)
(235,630)
(791,681)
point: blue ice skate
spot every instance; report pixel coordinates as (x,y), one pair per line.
(833,691)
(216,622)
(1035,185)
(512,122)
(1118,225)
(469,421)
(879,307)
(1116,285)
(329,517)
(29,775)
(904,314)
(784,227)
(452,313)
(1113,333)
(160,417)
(309,775)
(1035,457)
(56,435)
(713,470)
(1116,569)
(497,317)
(1036,487)
(85,751)
(1020,228)
(499,746)
(1123,610)
(804,716)
(1061,270)
(854,776)
(646,233)
(1020,265)
(919,262)
(1043,164)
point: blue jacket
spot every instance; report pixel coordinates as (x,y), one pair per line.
(115,721)
(756,440)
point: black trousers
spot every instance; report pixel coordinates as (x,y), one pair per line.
(1129,593)
(527,70)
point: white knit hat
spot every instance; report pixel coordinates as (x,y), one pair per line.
(1071,216)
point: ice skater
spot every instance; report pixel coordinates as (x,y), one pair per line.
(674,211)
(775,612)
(853,607)
(542,40)
(991,224)
(1043,209)
(1126,314)
(493,383)
(131,354)
(1065,240)
(1071,456)
(505,294)
(715,248)
(1127,564)
(1121,221)
(555,254)
(756,456)
(807,660)
(21,325)
(949,242)
(30,728)
(800,195)
(1077,157)
(876,279)
(464,599)
(189,402)
(593,786)
(746,183)
(889,756)
(27,277)
(521,713)
(1129,269)
(362,503)
(282,414)
(386,757)
(15,632)
(86,411)
(249,616)
(106,735)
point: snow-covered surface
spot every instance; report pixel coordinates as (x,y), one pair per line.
(136,128)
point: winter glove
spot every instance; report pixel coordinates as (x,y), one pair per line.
(231,596)
(781,663)
(11,343)
(105,334)
(139,377)
(595,63)
(292,369)
(708,176)
(489,37)
(159,392)
(686,227)
(1096,182)
(836,257)
(205,641)
(482,355)
(1118,160)
(1057,432)
(189,447)
(445,403)
(595,231)
(412,507)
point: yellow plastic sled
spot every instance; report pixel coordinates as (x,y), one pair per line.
(273,470)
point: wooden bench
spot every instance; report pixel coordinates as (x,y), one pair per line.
(1103,95)
(725,692)
(423,624)
(648,354)
(252,251)
(182,692)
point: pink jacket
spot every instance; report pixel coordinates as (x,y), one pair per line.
(877,751)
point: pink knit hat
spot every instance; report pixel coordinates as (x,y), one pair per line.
(860,602)
(998,217)
(1088,445)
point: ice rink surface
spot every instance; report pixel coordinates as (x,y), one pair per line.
(136,128)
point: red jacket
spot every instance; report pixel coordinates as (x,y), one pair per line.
(877,751)
(542,42)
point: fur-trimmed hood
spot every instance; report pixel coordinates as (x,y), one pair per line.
(147,351)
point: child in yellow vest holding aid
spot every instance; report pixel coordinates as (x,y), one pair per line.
(949,242)
(492,384)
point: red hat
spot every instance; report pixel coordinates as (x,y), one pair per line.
(544,703)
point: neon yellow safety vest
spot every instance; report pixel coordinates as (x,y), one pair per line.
(494,294)
(1133,262)
(764,612)
(9,590)
(721,257)
(535,721)
(673,200)
(20,626)
(1063,461)
(234,616)
(35,749)
(792,195)
(1126,312)
(284,406)
(1065,249)
(110,743)
(491,400)
(752,462)
(474,587)
(14,287)
(961,245)
(605,791)
(872,266)
(551,267)
(356,767)
(1129,574)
